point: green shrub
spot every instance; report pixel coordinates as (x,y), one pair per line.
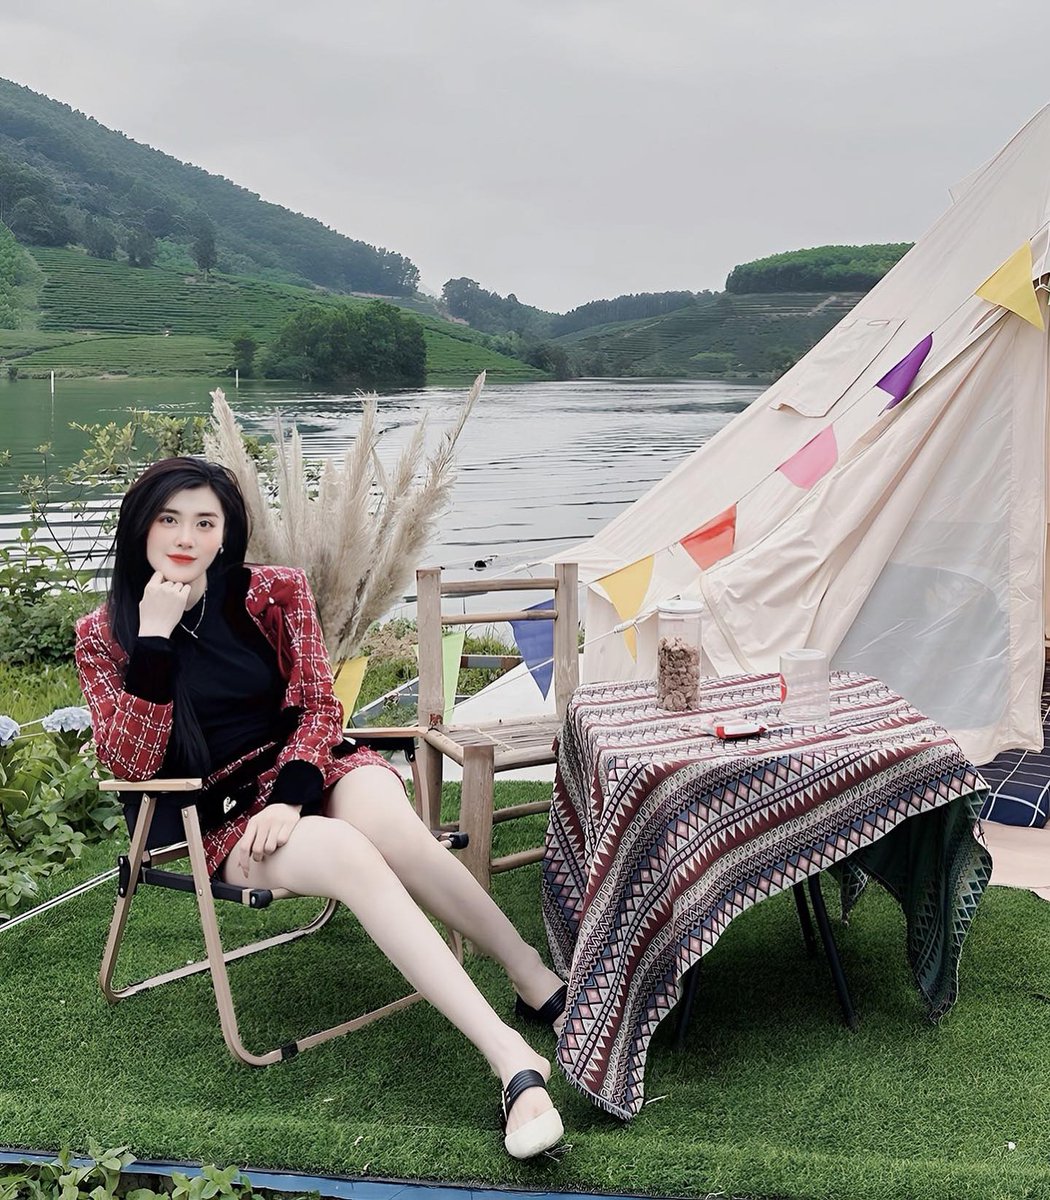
(50,806)
(41,597)
(105,1176)
(43,631)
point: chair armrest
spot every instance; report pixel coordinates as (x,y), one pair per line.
(386,737)
(382,733)
(150,785)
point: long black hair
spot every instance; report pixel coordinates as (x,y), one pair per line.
(142,502)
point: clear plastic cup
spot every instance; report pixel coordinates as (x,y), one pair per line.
(805,687)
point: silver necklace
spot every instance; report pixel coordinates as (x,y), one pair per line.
(204,604)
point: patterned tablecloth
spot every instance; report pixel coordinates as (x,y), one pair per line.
(660,834)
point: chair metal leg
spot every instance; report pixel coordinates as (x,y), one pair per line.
(831,950)
(216,959)
(123,905)
(118,925)
(685,1004)
(220,977)
(804,919)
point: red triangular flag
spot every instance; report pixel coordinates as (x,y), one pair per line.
(706,545)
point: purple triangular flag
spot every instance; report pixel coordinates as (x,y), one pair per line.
(899,379)
(535,641)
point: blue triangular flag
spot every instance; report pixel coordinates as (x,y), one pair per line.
(535,641)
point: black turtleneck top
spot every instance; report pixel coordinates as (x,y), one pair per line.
(232,678)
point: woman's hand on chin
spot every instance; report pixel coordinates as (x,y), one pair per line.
(267,831)
(162,606)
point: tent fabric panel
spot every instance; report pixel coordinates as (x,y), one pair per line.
(934,519)
(1006,203)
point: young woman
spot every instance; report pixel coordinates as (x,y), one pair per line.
(200,665)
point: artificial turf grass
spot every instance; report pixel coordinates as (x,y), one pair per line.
(772,1096)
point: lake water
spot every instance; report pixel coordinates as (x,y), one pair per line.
(541,465)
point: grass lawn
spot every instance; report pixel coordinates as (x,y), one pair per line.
(771,1096)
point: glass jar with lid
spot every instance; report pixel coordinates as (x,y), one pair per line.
(678,654)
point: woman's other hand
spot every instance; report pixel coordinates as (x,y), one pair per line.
(267,831)
(162,606)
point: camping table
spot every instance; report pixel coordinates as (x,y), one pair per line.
(660,834)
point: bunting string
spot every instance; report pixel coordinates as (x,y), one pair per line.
(1010,287)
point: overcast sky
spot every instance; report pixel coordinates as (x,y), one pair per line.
(563,150)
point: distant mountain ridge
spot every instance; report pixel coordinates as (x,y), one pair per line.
(66,180)
(60,164)
(772,312)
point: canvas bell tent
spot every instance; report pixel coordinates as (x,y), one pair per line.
(885,500)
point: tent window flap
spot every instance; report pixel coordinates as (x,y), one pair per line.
(833,367)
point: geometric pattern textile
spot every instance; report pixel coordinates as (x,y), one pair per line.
(660,834)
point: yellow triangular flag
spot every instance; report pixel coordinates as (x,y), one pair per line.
(1011,287)
(626,590)
(349,675)
(451,652)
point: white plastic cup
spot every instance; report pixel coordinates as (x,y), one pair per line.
(805,687)
(678,654)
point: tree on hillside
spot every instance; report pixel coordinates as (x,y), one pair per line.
(141,247)
(376,345)
(554,359)
(99,239)
(204,252)
(820,269)
(19,182)
(39,222)
(161,219)
(492,313)
(245,344)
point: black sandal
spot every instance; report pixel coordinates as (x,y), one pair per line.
(537,1135)
(547,1013)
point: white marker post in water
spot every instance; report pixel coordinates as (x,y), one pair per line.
(236,377)
(52,384)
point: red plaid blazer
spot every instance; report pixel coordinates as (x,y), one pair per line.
(131,734)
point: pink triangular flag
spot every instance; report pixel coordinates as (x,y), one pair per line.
(813,461)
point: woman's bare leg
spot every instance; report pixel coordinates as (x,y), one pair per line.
(334,860)
(372,800)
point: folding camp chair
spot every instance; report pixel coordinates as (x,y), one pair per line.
(153,844)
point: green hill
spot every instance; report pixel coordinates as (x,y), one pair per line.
(66,178)
(717,334)
(97,317)
(818,269)
(80,292)
(772,312)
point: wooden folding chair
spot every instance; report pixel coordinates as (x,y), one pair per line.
(485,748)
(142,865)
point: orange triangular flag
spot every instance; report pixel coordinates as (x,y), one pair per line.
(1011,287)
(626,590)
(706,545)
